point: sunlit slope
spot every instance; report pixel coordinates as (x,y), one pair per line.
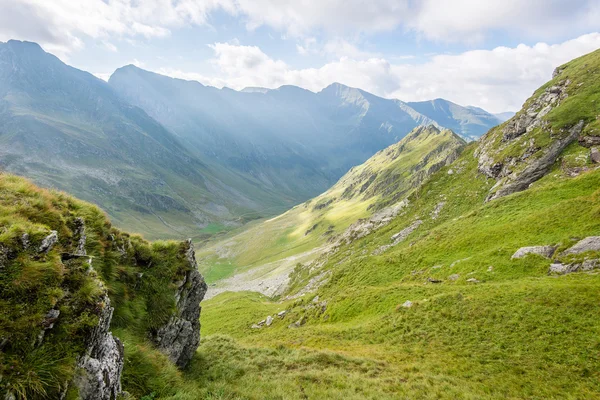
(384,179)
(448,310)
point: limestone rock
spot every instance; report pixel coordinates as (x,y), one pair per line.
(102,363)
(590,243)
(558,268)
(453,277)
(407,304)
(473,280)
(179,338)
(595,155)
(281,314)
(269,321)
(48,242)
(544,251)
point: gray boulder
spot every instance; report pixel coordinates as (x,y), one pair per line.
(595,155)
(179,338)
(544,251)
(590,243)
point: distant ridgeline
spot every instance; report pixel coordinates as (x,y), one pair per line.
(173,158)
(67,278)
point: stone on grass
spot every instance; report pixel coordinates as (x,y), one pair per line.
(590,243)
(544,251)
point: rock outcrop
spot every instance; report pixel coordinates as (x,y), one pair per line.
(590,243)
(536,169)
(544,251)
(527,160)
(399,237)
(561,269)
(101,365)
(179,338)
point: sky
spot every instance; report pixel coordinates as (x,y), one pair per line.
(491,54)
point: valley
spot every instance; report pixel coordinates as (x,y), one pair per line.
(341,244)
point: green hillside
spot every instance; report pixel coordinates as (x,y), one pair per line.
(305,231)
(436,304)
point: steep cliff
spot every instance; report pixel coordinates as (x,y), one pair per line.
(67,277)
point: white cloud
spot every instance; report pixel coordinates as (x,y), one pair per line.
(61,26)
(441,20)
(471,20)
(497,80)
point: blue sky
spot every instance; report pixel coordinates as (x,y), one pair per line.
(491,54)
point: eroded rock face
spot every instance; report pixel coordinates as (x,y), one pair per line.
(532,117)
(528,161)
(537,168)
(101,366)
(180,337)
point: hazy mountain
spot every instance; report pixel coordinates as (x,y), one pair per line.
(469,122)
(169,157)
(69,130)
(290,139)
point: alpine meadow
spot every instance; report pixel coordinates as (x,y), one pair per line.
(322,200)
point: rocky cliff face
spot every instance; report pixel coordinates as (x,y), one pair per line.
(101,365)
(180,337)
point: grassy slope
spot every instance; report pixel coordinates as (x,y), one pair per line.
(311,224)
(519,333)
(32,283)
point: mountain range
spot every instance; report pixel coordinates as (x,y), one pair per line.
(437,269)
(174,158)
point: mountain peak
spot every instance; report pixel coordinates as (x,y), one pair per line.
(23,44)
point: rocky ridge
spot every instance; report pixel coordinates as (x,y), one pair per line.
(180,337)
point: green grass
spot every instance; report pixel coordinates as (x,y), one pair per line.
(33,283)
(382,180)
(518,333)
